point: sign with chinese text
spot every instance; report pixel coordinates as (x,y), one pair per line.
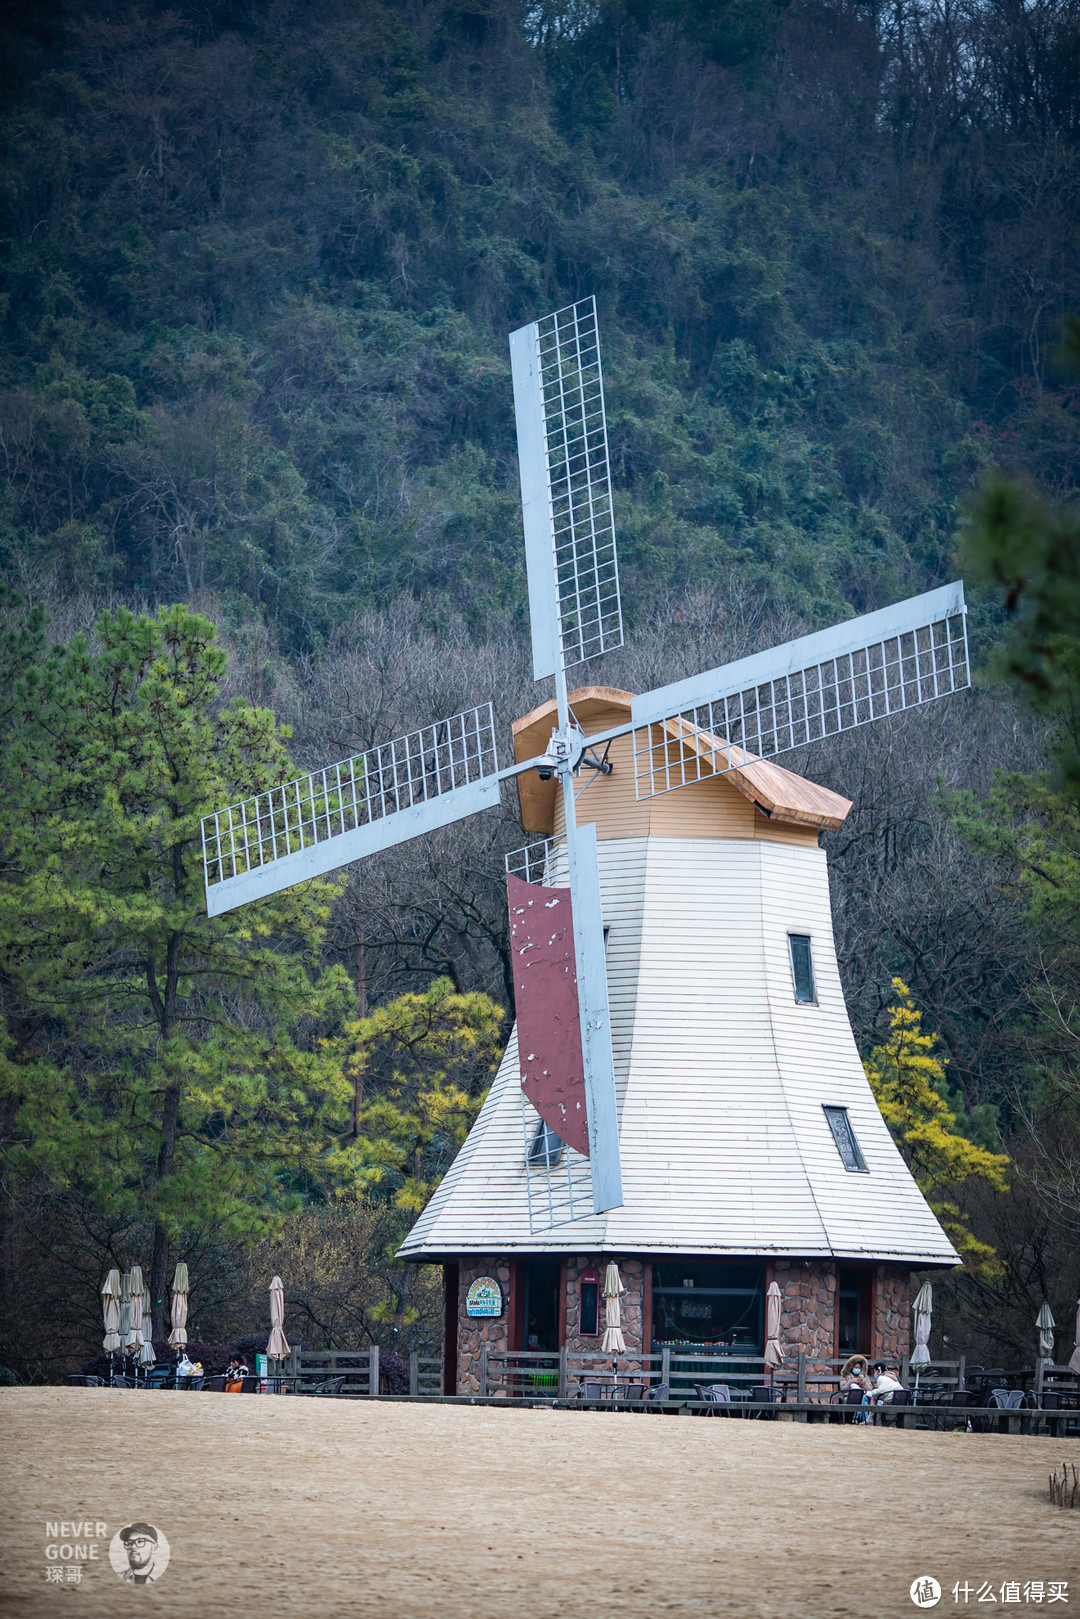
(484,1297)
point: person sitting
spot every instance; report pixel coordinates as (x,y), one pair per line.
(235,1373)
(855,1373)
(886,1382)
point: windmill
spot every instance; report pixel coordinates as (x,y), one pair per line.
(711,723)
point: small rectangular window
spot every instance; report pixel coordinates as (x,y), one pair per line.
(844,1136)
(802,968)
(545,1148)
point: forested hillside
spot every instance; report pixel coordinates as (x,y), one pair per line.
(260,266)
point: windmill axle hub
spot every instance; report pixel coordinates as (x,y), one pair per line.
(563,753)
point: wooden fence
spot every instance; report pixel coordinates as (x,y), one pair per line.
(309,1368)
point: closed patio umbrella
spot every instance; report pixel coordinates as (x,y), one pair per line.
(1074,1358)
(614,1343)
(178,1335)
(147,1357)
(923,1308)
(277,1347)
(774,1353)
(110,1303)
(1046,1324)
(125,1314)
(133,1340)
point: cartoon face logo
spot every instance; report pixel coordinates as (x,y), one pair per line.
(139,1554)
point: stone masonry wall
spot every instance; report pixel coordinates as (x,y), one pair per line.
(808,1312)
(477,1332)
(892,1314)
(632,1272)
(807,1318)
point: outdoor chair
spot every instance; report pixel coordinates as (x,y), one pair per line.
(762,1394)
(660,1392)
(633,1391)
(85,1381)
(118,1382)
(851,1397)
(328,1386)
(1007,1399)
(592,1391)
(714,1394)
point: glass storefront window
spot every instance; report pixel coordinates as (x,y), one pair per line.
(718,1306)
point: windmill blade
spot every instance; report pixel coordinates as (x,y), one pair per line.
(372,801)
(811,688)
(591,961)
(570,551)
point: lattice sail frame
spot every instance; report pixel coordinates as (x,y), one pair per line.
(566,488)
(761,718)
(318,822)
(557,1192)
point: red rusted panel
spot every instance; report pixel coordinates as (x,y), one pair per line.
(545,989)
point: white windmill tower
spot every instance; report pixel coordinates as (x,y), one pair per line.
(563,1189)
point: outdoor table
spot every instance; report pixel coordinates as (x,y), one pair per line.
(609,1380)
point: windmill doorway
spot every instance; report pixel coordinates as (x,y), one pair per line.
(541,1304)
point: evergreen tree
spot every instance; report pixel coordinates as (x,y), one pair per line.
(178,1071)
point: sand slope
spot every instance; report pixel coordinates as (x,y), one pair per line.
(292,1509)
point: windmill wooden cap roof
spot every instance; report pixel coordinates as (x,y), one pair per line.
(778,793)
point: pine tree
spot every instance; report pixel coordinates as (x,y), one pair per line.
(181,1072)
(907,1080)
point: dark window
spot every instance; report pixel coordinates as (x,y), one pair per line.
(590,1309)
(854,1312)
(802,968)
(844,1136)
(718,1305)
(546,1147)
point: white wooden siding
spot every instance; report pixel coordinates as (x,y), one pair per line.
(721,1079)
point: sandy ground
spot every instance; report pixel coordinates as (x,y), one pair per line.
(311,1509)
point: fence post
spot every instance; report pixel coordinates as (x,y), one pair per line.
(905,1370)
(373,1369)
(961,1371)
(800,1387)
(484,1371)
(414,1371)
(562,1373)
(665,1367)
(1039,1373)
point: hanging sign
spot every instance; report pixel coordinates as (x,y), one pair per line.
(484,1297)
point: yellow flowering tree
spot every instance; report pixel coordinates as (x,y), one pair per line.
(420,1067)
(907,1079)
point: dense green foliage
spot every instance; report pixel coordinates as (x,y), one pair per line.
(188,1076)
(157,1059)
(261,265)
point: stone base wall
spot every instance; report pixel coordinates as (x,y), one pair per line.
(476,1333)
(807,1318)
(892,1314)
(632,1305)
(808,1310)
